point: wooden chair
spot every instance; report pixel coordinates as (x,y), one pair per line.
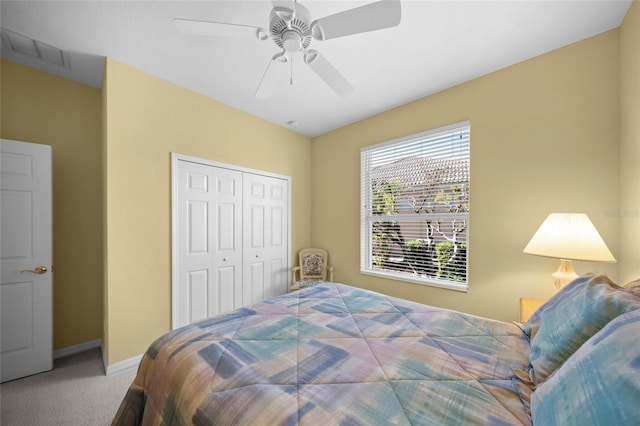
(313,269)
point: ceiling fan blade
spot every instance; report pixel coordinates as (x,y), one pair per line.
(328,73)
(370,17)
(273,74)
(218,29)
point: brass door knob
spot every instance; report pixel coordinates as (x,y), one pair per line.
(37,270)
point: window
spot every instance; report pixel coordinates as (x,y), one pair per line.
(415,208)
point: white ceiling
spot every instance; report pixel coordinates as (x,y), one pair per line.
(437,45)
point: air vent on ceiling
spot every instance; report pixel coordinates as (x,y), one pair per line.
(36,49)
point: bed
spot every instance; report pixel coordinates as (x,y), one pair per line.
(335,354)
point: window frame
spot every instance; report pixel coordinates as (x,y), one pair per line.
(366,217)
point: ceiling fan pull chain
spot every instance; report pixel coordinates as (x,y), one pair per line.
(291,78)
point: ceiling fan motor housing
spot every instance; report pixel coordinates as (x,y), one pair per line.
(292,35)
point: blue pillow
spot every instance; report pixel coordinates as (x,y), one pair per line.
(532,326)
(597,385)
(571,317)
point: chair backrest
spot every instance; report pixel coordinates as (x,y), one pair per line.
(313,263)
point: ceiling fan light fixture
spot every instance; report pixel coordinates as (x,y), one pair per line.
(280,57)
(291,41)
(310,56)
(284,13)
(262,34)
(317,31)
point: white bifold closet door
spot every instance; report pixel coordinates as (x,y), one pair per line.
(264,246)
(232,243)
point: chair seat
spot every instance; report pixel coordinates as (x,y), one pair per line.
(299,285)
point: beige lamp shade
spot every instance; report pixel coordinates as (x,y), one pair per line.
(569,236)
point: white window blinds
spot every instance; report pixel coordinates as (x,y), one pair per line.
(415,207)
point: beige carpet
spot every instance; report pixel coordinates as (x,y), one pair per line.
(75,392)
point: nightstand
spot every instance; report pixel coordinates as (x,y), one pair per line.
(528,305)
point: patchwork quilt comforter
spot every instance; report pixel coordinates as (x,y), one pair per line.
(332,354)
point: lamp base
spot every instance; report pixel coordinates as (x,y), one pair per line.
(564,275)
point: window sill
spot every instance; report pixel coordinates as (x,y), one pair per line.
(431,282)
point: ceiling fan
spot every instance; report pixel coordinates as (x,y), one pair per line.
(291,29)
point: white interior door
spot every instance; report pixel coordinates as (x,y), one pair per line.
(26,256)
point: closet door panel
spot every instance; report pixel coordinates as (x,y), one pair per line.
(265,234)
(278,248)
(256,219)
(198,294)
(227,258)
(194,237)
(253,237)
(229,296)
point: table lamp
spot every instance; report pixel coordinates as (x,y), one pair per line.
(568,236)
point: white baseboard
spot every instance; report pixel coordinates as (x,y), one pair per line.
(132,362)
(117,367)
(76,349)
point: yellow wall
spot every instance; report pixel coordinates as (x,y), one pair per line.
(629,216)
(147,119)
(544,138)
(43,108)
